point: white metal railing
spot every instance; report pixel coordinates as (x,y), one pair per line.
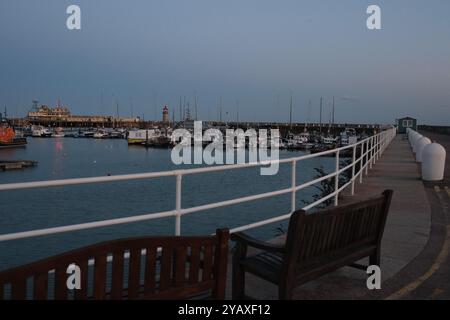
(371,149)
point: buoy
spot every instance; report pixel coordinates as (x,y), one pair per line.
(433,162)
(421,144)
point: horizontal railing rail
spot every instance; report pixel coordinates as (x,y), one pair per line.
(371,149)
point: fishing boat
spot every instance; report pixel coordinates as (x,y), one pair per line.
(59,133)
(40,132)
(86,134)
(141,137)
(71,134)
(297,142)
(9,139)
(161,141)
(348,137)
(329,140)
(117,133)
(101,134)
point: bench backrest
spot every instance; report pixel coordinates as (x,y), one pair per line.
(137,268)
(336,230)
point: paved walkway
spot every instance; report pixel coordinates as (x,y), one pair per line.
(406,234)
(428,275)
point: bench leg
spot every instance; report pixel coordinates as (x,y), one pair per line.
(238,274)
(374,258)
(238,286)
(285,291)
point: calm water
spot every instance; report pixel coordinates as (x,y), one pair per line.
(63,158)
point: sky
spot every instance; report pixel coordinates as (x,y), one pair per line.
(143,54)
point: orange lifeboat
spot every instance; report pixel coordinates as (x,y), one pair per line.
(6,134)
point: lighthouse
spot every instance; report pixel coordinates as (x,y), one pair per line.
(166,114)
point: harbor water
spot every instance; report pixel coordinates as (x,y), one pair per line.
(62,158)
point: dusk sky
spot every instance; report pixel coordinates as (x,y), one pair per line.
(148,53)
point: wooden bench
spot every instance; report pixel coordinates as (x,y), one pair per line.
(157,268)
(316,244)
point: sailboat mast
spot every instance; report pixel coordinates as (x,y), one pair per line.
(181,117)
(195,105)
(320,118)
(290,113)
(220,110)
(237,111)
(333,111)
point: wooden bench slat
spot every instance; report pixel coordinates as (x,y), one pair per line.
(117,274)
(40,286)
(61,282)
(82,293)
(150,270)
(100,276)
(194,264)
(207,263)
(166,268)
(134,273)
(180,266)
(19,289)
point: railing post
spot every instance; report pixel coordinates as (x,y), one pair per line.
(353,169)
(366,163)
(381,145)
(377,149)
(178,205)
(361,159)
(336,180)
(371,152)
(293,185)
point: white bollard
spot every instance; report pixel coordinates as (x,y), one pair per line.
(412,136)
(421,144)
(416,138)
(433,162)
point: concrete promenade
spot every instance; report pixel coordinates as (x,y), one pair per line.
(406,236)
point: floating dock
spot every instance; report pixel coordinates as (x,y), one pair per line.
(16,164)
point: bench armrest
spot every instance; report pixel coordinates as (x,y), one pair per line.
(247,240)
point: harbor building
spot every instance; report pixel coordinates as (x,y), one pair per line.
(407,122)
(61,116)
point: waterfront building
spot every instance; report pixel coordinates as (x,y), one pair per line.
(62,116)
(407,122)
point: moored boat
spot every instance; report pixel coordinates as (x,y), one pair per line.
(101,134)
(8,138)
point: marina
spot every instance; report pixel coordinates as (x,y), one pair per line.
(313,138)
